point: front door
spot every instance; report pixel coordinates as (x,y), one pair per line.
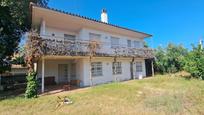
(63,73)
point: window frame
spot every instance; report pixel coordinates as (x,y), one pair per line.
(139,66)
(98,68)
(66,38)
(96,38)
(129,43)
(113,39)
(118,68)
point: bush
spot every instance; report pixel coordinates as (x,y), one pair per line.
(170,59)
(194,62)
(32,85)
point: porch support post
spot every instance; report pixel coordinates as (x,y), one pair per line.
(90,73)
(35,67)
(152,68)
(43,75)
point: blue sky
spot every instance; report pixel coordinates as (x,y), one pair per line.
(169,21)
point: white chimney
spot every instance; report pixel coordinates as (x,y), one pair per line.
(104,16)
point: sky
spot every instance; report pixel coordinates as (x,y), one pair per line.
(169,21)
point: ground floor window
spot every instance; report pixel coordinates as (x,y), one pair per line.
(117,68)
(96,69)
(138,66)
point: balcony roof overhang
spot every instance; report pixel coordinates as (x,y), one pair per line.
(72,22)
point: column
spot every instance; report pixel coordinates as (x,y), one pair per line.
(43,75)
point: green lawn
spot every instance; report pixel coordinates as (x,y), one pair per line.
(156,95)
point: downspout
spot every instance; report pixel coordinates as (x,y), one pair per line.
(114,65)
(132,74)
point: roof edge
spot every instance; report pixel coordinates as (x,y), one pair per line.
(87,18)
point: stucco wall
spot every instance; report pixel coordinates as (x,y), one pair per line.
(83,34)
(107,70)
(106,37)
(83,69)
(51,68)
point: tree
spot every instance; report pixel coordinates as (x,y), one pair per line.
(9,37)
(170,59)
(194,62)
(14,21)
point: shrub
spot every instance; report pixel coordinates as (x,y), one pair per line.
(194,62)
(31,89)
(170,59)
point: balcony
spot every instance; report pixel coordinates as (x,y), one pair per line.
(57,46)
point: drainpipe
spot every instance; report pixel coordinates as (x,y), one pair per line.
(115,69)
(133,75)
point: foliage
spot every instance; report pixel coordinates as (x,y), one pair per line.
(9,38)
(170,59)
(19,57)
(146,45)
(14,20)
(19,60)
(20,11)
(194,62)
(34,49)
(31,89)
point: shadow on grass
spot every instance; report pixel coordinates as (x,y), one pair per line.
(11,94)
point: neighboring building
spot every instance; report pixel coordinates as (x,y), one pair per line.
(121,54)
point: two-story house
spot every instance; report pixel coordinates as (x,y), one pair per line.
(120,53)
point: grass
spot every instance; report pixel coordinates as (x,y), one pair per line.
(157,95)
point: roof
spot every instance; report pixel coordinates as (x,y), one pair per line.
(87,18)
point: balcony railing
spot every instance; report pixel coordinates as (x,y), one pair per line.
(57,46)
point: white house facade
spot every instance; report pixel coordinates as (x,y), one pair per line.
(119,55)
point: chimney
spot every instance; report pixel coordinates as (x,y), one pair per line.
(104,16)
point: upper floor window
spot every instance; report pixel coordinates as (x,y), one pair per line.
(96,69)
(114,42)
(138,66)
(94,37)
(117,68)
(68,37)
(129,43)
(137,44)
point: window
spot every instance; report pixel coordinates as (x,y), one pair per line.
(68,37)
(138,66)
(117,68)
(129,43)
(136,44)
(96,69)
(114,42)
(94,37)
